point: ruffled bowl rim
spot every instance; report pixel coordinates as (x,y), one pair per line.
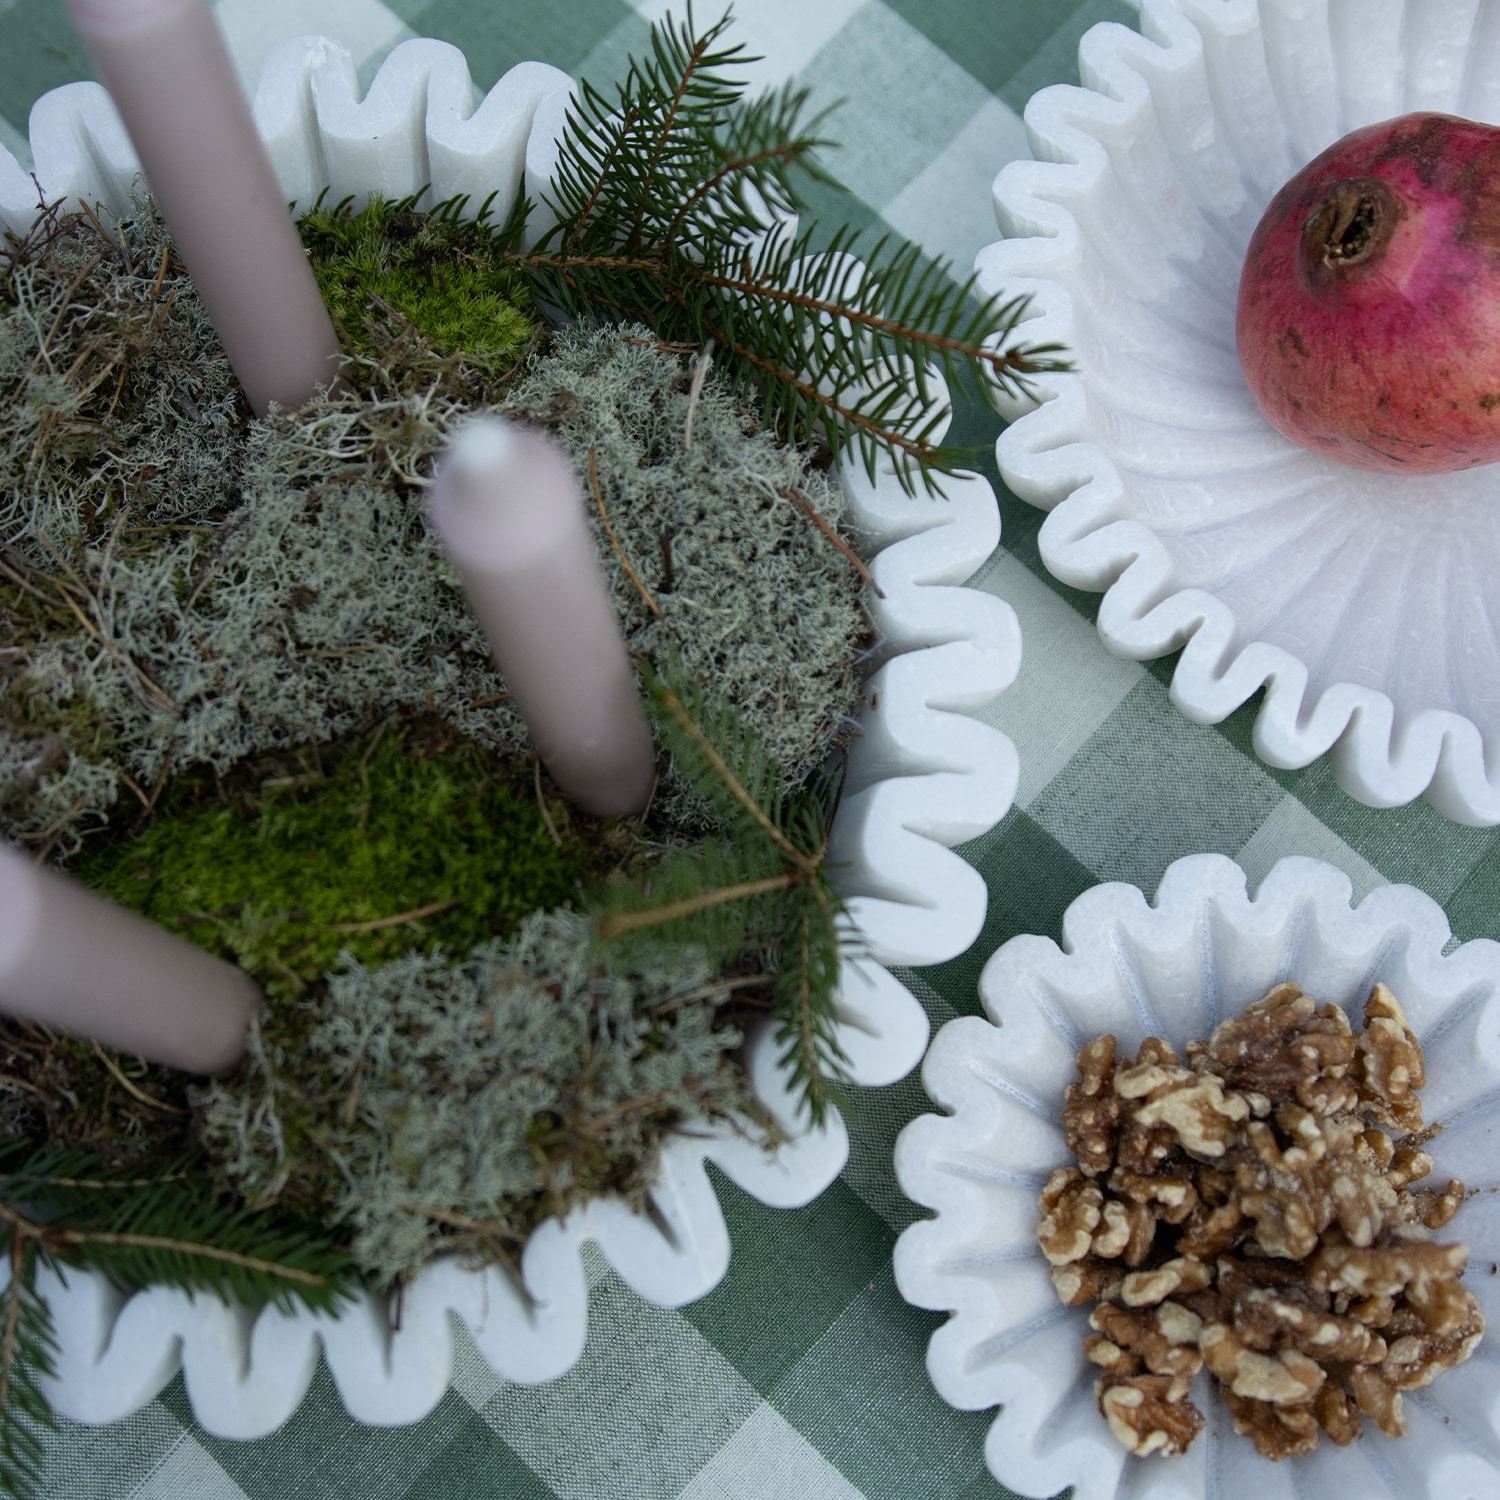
(1203,939)
(1383,755)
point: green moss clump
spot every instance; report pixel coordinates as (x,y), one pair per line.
(311,856)
(439,274)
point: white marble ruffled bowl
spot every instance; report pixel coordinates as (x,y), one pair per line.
(923,776)
(1367,605)
(1174,968)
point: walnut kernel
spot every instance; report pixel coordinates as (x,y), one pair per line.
(1250,1212)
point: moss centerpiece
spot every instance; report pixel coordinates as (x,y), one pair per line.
(244,695)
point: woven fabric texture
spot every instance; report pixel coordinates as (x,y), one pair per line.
(803,1373)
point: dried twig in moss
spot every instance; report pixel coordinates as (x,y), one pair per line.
(614,541)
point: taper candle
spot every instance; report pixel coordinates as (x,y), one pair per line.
(168,71)
(507,504)
(74,960)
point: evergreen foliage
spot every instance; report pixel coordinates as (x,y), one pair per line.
(404,839)
(672,204)
(27,1348)
(60,1209)
(757,890)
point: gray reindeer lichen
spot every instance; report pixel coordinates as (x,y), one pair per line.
(472,1098)
(216,630)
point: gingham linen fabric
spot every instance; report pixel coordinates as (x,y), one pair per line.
(804,1372)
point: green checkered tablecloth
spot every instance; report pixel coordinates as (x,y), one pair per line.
(803,1372)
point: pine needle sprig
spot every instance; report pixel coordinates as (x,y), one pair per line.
(28,1346)
(806,980)
(169,1227)
(722,757)
(712,897)
(671,204)
(761,890)
(61,1209)
(625,161)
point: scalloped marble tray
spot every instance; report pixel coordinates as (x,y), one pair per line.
(924,776)
(1201,951)
(1367,605)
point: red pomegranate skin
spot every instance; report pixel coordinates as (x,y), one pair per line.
(1368,321)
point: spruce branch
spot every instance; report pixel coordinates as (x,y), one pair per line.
(672,203)
(63,1209)
(186,1251)
(806,1022)
(713,898)
(671,704)
(28,1345)
(758,897)
(671,911)
(169,1228)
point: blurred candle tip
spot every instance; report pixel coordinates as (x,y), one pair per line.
(509,507)
(168,72)
(72,959)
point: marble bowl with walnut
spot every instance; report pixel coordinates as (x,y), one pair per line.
(1174,968)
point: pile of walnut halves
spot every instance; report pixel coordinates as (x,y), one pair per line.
(1250,1211)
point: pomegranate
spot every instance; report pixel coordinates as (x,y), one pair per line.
(1368,322)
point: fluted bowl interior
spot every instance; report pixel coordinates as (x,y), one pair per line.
(1367,604)
(1174,967)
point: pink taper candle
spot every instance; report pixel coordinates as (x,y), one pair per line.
(166,67)
(73,960)
(507,505)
